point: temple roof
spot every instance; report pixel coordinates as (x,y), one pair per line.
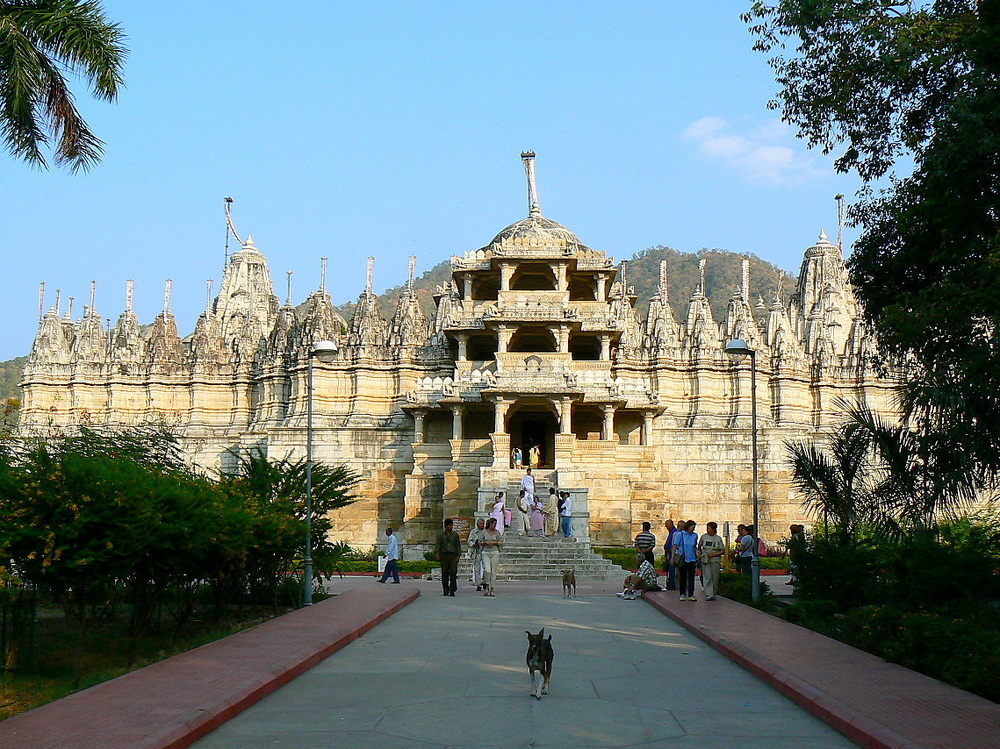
(542,229)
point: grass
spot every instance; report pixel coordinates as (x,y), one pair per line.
(110,652)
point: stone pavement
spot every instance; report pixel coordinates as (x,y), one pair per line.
(449,672)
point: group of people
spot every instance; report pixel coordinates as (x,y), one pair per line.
(530,458)
(534,516)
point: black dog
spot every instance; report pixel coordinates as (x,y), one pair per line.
(539,659)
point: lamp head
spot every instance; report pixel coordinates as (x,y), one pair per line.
(325,351)
(737,349)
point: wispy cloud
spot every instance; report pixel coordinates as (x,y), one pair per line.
(758,154)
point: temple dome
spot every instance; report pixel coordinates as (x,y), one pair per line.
(536,227)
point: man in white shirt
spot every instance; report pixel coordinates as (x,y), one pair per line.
(528,484)
(391,555)
(566,515)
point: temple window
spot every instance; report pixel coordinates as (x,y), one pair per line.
(582,288)
(533,277)
(585,347)
(533,338)
(486,286)
(482,347)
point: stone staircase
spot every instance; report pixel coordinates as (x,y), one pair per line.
(532,558)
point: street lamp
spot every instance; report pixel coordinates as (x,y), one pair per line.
(738,350)
(325,351)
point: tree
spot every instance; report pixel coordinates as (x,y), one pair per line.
(886,79)
(40,41)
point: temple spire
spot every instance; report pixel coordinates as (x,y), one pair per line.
(93,295)
(410,271)
(534,209)
(745,283)
(41,300)
(167,288)
(58,302)
(208,297)
(288,296)
(129,293)
(370,275)
(322,275)
(69,309)
(663,289)
(840,221)
(701,276)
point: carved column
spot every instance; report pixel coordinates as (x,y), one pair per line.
(605,347)
(602,295)
(565,415)
(562,336)
(506,273)
(463,346)
(609,421)
(466,286)
(647,428)
(500,415)
(561,283)
(456,422)
(503,338)
(418,426)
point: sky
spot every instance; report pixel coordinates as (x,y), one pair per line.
(391,129)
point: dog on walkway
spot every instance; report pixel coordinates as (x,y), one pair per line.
(569,583)
(539,659)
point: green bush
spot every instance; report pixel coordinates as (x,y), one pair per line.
(738,587)
(623,556)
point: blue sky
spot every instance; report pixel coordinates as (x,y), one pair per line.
(395,128)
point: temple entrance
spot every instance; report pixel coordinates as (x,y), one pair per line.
(534,425)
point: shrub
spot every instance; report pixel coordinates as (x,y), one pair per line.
(738,587)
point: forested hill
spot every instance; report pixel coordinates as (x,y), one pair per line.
(723,270)
(722,277)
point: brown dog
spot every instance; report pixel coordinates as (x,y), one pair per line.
(539,659)
(569,583)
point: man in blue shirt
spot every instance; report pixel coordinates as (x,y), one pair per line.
(391,555)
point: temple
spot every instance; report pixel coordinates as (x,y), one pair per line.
(535,340)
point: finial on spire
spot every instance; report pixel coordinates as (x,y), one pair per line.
(745,285)
(58,302)
(410,271)
(823,238)
(41,300)
(528,157)
(288,297)
(129,292)
(322,275)
(840,221)
(69,309)
(208,296)
(663,289)
(701,276)
(167,288)
(370,275)
(777,286)
(230,227)
(93,295)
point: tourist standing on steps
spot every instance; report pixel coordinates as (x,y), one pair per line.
(535,456)
(391,555)
(645,542)
(711,548)
(523,523)
(515,456)
(668,555)
(528,484)
(476,553)
(566,515)
(497,511)
(449,549)
(552,513)
(491,541)
(537,518)
(686,543)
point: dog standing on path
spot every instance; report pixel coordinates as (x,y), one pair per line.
(539,659)
(569,583)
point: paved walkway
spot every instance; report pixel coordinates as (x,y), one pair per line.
(449,672)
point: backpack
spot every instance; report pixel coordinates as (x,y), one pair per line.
(761,548)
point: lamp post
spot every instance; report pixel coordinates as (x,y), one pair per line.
(324,351)
(738,350)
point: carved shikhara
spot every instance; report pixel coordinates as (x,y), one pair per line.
(535,338)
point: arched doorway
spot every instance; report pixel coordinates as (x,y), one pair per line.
(534,424)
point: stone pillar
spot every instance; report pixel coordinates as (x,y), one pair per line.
(463,346)
(561,282)
(503,338)
(609,421)
(456,422)
(647,428)
(605,347)
(418,426)
(602,295)
(562,338)
(506,273)
(466,286)
(500,415)
(565,416)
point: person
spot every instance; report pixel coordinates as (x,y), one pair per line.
(535,455)
(686,543)
(645,542)
(642,579)
(391,555)
(515,456)
(552,513)
(711,548)
(491,541)
(537,518)
(524,514)
(528,484)
(566,515)
(744,550)
(668,550)
(796,544)
(449,549)
(497,511)
(476,553)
